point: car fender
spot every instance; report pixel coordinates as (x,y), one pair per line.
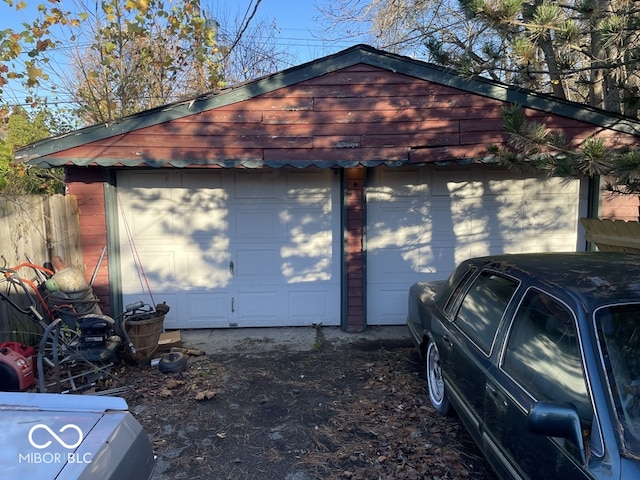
(116,440)
(421,309)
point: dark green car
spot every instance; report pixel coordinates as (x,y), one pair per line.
(539,355)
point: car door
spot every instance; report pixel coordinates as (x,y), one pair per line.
(470,343)
(541,361)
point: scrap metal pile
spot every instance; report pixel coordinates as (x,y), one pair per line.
(78,343)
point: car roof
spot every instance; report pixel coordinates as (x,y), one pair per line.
(596,278)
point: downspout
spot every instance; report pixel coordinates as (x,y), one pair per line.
(113,243)
(594,205)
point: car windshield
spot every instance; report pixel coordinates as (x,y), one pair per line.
(619,331)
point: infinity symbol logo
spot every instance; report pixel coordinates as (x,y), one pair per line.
(68,426)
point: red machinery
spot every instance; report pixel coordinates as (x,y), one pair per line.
(16,370)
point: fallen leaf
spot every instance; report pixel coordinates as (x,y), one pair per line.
(174,383)
(205,395)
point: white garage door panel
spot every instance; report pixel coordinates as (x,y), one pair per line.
(230,246)
(259,309)
(248,185)
(256,266)
(208,269)
(422,222)
(158,267)
(399,262)
(387,304)
(307,265)
(312,305)
(207,306)
(149,225)
(258,223)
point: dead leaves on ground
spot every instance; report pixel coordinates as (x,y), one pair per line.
(206,395)
(390,431)
(179,385)
(186,383)
(377,422)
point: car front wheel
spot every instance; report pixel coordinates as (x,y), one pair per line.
(435,380)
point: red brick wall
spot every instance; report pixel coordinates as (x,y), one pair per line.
(88,187)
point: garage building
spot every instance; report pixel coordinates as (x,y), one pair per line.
(318,194)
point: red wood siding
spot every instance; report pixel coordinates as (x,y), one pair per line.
(87,186)
(620,207)
(360,113)
(355,321)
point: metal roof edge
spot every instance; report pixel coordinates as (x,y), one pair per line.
(242,163)
(254,163)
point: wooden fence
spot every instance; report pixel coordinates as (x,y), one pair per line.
(613,235)
(35,228)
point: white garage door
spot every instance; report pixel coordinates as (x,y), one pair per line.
(421,222)
(232,248)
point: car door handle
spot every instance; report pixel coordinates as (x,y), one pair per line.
(497,397)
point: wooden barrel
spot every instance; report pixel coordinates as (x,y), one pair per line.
(144,335)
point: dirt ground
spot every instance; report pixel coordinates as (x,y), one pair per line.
(352,411)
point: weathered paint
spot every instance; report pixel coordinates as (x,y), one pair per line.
(88,187)
(356,109)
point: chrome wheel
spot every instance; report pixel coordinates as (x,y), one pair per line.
(435,381)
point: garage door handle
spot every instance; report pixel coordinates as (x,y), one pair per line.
(231,267)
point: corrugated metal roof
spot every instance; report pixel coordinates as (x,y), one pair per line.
(47,163)
(44,162)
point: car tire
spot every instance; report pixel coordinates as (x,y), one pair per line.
(435,381)
(172,362)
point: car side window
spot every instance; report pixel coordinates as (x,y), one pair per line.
(483,306)
(543,353)
(460,279)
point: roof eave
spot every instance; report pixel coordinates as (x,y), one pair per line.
(35,153)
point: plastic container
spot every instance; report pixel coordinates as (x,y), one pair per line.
(68,280)
(16,372)
(26,351)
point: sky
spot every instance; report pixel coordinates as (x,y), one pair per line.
(299,31)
